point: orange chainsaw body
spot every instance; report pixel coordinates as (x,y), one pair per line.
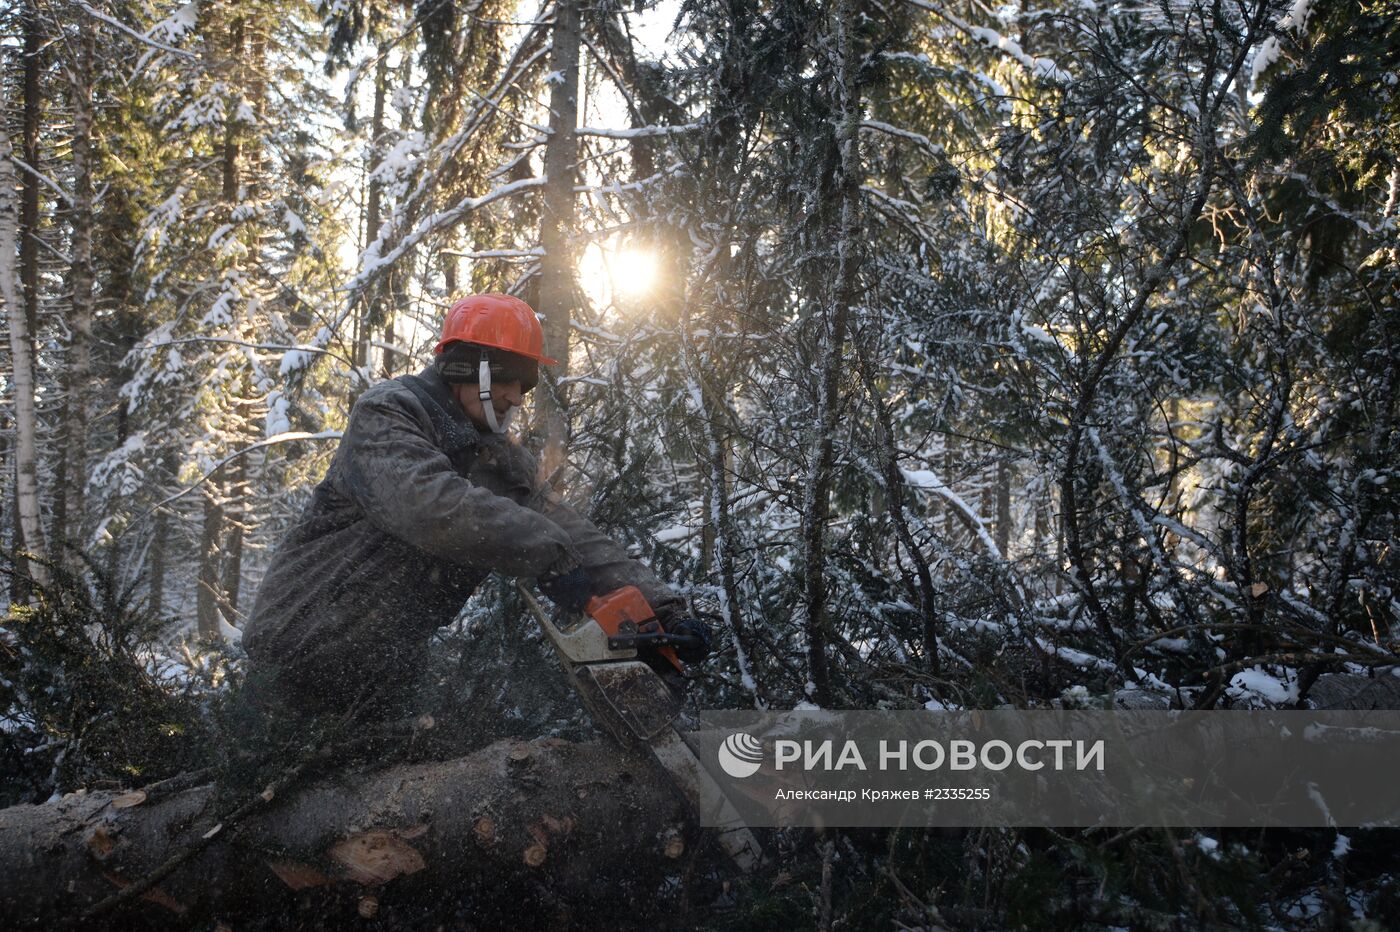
(622,612)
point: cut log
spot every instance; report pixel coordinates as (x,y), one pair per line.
(510,830)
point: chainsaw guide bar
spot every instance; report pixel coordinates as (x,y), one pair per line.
(630,702)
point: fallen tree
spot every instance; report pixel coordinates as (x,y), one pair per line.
(545,830)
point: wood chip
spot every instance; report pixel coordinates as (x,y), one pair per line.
(214,831)
(521,752)
(298,876)
(267,795)
(535,855)
(368,907)
(1258,589)
(485,830)
(100,843)
(127,800)
(161,898)
(376,857)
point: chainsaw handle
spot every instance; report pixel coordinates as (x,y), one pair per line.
(653,639)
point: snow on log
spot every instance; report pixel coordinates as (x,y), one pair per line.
(543,825)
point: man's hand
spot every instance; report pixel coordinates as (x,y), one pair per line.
(698,631)
(570,591)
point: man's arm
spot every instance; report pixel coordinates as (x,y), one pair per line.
(607,561)
(407,487)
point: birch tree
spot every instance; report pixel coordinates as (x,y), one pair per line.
(22,357)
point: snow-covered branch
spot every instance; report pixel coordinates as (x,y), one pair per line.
(1037,66)
(638,132)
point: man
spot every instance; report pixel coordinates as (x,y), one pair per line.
(424,498)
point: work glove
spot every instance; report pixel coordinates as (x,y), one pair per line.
(570,591)
(691,628)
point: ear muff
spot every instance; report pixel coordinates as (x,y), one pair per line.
(460,364)
(484,393)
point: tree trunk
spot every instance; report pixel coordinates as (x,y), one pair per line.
(160,534)
(721,520)
(536,834)
(232,134)
(556,285)
(396,284)
(22,356)
(159,529)
(233,544)
(816,505)
(893,489)
(29,209)
(370,314)
(28,233)
(68,524)
(1003,503)
(208,594)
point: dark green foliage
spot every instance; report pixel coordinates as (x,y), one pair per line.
(89,698)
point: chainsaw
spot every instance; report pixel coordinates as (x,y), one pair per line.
(631,702)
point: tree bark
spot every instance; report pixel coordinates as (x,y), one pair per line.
(817,504)
(28,232)
(922,582)
(22,356)
(537,833)
(371,312)
(160,536)
(556,285)
(29,208)
(232,134)
(233,545)
(68,522)
(208,594)
(1003,504)
(159,530)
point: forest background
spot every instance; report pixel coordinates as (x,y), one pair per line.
(945,355)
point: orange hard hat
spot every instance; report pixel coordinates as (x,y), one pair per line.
(498,321)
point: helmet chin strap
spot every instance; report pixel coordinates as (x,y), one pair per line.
(483,392)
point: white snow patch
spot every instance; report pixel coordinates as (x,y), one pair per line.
(216,238)
(176,24)
(1076,694)
(1295,19)
(1265,685)
(229,633)
(292,222)
(294,361)
(277,420)
(1040,67)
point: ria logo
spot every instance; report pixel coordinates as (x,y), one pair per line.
(740,755)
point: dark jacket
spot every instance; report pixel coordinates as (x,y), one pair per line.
(395,540)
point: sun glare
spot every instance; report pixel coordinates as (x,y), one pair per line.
(611,274)
(633,271)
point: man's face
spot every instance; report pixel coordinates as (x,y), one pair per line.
(505,396)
